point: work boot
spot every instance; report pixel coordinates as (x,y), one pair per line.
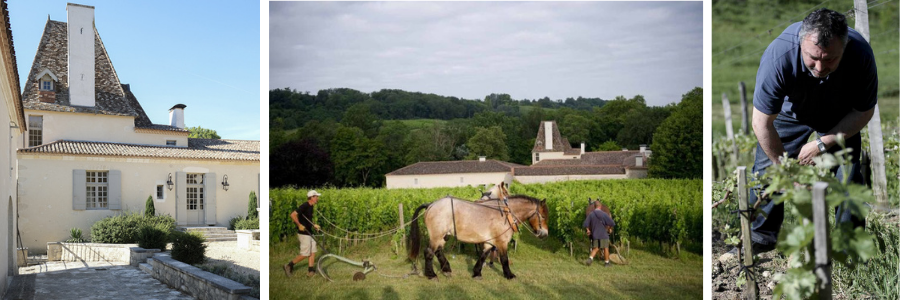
(288,270)
(606,264)
(588,262)
(312,272)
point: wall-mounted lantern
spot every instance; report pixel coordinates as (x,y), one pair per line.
(225,182)
(169,182)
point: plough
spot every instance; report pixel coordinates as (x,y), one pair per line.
(367,266)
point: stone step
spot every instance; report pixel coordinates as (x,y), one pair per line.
(146,267)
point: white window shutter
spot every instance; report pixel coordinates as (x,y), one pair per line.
(79,189)
(181,198)
(209,205)
(114,192)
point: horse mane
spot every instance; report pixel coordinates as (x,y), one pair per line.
(529,198)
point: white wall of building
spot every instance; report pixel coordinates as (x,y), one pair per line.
(551,155)
(8,202)
(46,191)
(555,178)
(81,54)
(446,180)
(97,128)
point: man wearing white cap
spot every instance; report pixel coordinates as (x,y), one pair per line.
(303,218)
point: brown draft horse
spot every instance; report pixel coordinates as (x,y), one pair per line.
(474,223)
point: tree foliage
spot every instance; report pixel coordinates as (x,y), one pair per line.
(202,133)
(678,142)
(488,142)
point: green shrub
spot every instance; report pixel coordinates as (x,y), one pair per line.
(252,213)
(247,224)
(75,236)
(188,247)
(149,208)
(234,221)
(153,237)
(123,228)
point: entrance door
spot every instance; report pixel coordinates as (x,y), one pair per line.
(194,201)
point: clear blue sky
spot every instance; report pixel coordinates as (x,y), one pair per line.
(204,54)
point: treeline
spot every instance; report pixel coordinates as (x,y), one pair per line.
(343,137)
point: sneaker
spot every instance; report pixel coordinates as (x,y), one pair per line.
(310,274)
(287,270)
(588,262)
(606,264)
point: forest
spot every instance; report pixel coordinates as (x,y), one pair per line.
(347,138)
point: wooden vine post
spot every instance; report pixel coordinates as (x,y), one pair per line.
(751,291)
(745,118)
(820,240)
(402,230)
(876,140)
(726,107)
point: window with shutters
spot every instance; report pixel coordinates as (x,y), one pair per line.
(35,130)
(195,191)
(97,196)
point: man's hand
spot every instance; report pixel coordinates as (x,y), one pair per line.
(302,228)
(589,232)
(317,227)
(807,153)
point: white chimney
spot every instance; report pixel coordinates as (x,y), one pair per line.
(638,161)
(482,158)
(582,147)
(176,116)
(624,149)
(81,54)
(643,148)
(548,135)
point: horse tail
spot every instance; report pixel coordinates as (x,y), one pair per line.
(414,240)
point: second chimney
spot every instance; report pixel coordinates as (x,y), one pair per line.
(482,158)
(582,148)
(80,30)
(176,116)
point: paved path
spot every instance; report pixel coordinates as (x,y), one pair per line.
(96,280)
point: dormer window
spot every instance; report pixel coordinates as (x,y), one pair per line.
(47,79)
(170,142)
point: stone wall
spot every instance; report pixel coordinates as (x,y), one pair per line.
(130,253)
(193,281)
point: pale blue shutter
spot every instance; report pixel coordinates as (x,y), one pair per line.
(79,189)
(115,189)
(209,205)
(181,198)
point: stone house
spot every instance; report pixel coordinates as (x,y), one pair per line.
(10,113)
(91,151)
(553,159)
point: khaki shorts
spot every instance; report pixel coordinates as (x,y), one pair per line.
(604,243)
(307,244)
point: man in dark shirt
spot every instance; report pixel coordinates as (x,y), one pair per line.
(303,218)
(596,224)
(818,76)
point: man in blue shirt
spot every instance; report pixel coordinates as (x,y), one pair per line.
(818,76)
(596,224)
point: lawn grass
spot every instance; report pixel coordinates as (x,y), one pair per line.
(544,269)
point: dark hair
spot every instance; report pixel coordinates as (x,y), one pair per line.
(825,24)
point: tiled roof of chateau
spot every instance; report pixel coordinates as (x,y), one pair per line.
(111,97)
(453,167)
(197,149)
(9,53)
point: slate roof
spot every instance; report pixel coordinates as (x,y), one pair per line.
(197,149)
(453,167)
(568,170)
(111,98)
(560,144)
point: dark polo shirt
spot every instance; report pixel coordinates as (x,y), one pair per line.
(784,85)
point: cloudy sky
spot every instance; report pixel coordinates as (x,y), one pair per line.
(469,50)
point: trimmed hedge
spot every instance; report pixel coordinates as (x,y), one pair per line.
(244,224)
(188,247)
(153,237)
(234,221)
(123,228)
